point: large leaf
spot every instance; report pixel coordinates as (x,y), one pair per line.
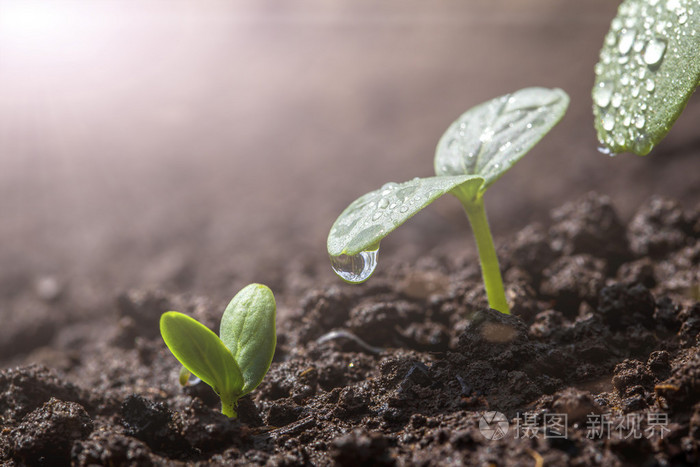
(373,216)
(201,352)
(248,330)
(649,67)
(489,138)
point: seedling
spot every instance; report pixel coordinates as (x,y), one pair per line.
(649,67)
(476,150)
(236,363)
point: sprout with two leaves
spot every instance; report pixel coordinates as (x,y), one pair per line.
(476,150)
(236,363)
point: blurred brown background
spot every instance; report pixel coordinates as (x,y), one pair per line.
(200,146)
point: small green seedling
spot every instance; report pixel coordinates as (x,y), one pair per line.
(474,152)
(649,67)
(236,363)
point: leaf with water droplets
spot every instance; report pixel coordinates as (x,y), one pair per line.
(649,67)
(373,216)
(489,138)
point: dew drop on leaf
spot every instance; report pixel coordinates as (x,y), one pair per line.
(608,122)
(648,69)
(602,94)
(356,268)
(626,41)
(654,52)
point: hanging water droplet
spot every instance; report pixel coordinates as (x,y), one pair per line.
(608,122)
(626,41)
(607,151)
(356,268)
(602,94)
(654,52)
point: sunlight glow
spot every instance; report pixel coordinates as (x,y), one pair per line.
(33,29)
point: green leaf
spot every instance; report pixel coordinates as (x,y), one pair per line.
(201,352)
(649,67)
(248,330)
(489,138)
(375,215)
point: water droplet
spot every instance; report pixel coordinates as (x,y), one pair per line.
(626,41)
(627,120)
(672,5)
(610,39)
(616,24)
(602,94)
(608,122)
(682,18)
(383,203)
(403,209)
(356,268)
(393,205)
(606,150)
(649,85)
(616,100)
(639,121)
(376,215)
(635,91)
(654,52)
(487,135)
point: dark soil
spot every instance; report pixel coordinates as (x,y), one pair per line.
(605,323)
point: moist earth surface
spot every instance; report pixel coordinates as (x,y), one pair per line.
(598,364)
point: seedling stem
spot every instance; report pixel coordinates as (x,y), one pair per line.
(228,406)
(487,253)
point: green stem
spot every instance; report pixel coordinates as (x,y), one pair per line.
(228,406)
(487,254)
